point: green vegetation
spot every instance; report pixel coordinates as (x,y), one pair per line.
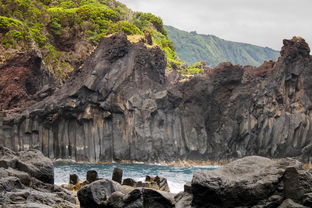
(192,47)
(196,68)
(56,27)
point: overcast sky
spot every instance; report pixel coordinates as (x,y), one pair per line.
(259,22)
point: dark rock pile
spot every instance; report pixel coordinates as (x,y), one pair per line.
(106,193)
(117,193)
(27,180)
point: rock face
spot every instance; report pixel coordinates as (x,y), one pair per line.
(26,180)
(123,105)
(252,182)
(24,81)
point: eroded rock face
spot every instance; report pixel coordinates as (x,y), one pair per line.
(252,182)
(26,180)
(24,81)
(122,105)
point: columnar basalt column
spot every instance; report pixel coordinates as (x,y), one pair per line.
(2,140)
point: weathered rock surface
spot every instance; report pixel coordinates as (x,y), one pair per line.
(26,180)
(117,175)
(97,193)
(109,194)
(123,105)
(252,182)
(24,81)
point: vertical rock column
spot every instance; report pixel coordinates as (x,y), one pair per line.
(2,139)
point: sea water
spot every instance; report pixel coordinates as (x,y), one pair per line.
(176,176)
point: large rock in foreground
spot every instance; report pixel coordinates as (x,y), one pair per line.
(106,193)
(26,180)
(253,182)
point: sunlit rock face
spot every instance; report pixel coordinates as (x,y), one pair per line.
(123,105)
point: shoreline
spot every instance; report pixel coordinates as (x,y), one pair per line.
(183,163)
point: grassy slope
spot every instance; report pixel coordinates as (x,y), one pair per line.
(67,31)
(192,47)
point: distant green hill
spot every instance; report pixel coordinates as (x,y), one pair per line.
(192,47)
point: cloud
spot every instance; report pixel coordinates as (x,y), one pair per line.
(259,22)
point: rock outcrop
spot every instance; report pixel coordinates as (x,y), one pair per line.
(123,105)
(26,180)
(109,194)
(24,81)
(252,182)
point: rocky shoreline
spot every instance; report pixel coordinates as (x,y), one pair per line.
(26,180)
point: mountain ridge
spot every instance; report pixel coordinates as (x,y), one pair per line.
(192,47)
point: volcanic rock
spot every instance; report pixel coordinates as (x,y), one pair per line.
(26,180)
(123,105)
(252,181)
(96,193)
(92,176)
(117,175)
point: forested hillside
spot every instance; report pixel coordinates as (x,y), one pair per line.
(192,47)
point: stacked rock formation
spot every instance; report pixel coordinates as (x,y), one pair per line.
(123,105)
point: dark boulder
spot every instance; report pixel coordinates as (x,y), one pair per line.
(32,162)
(157,199)
(134,199)
(92,176)
(129,182)
(116,200)
(110,194)
(26,180)
(252,181)
(73,179)
(96,193)
(117,175)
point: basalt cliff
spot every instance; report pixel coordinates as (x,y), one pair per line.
(122,104)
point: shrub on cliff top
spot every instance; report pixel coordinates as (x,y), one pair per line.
(56,26)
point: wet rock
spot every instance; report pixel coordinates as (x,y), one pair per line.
(157,182)
(162,183)
(73,179)
(116,200)
(96,193)
(117,175)
(92,176)
(157,199)
(133,199)
(129,182)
